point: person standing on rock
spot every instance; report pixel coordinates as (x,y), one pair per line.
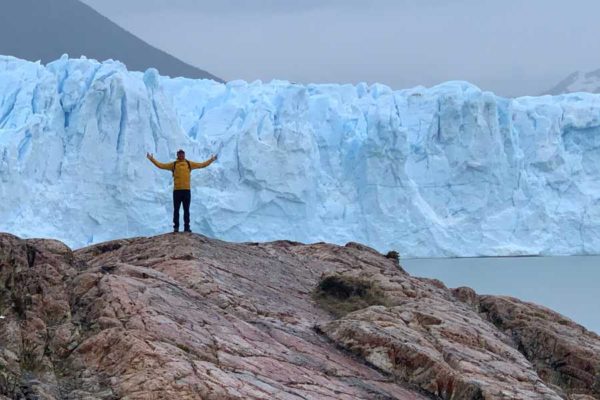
(181,169)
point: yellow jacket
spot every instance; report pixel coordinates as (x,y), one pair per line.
(181,172)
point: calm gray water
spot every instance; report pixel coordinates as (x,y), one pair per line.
(569,285)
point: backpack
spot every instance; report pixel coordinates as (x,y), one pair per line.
(175,163)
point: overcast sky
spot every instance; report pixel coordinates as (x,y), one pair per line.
(512,47)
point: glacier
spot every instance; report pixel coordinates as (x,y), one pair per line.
(430,172)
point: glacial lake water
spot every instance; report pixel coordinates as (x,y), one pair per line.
(568,285)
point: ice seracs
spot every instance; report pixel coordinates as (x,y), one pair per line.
(443,171)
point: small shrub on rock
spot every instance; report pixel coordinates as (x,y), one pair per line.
(341,294)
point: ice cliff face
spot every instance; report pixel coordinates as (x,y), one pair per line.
(445,171)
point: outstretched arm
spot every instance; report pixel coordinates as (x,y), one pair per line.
(160,165)
(203,164)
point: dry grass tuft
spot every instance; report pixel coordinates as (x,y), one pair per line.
(341,295)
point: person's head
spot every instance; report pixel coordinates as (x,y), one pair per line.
(180,155)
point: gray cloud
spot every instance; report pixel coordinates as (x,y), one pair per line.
(512,47)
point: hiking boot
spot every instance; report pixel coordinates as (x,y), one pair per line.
(187,230)
(175,230)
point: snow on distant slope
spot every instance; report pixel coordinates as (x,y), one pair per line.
(445,171)
(578,82)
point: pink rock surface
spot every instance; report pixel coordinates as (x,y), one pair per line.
(181,316)
(562,352)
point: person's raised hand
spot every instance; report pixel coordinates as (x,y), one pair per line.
(213,157)
(149,156)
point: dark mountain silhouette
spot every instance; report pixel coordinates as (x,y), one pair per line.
(46,29)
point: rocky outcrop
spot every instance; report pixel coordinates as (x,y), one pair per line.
(37,331)
(563,353)
(187,317)
(426,338)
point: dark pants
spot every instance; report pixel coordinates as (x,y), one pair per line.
(181,196)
